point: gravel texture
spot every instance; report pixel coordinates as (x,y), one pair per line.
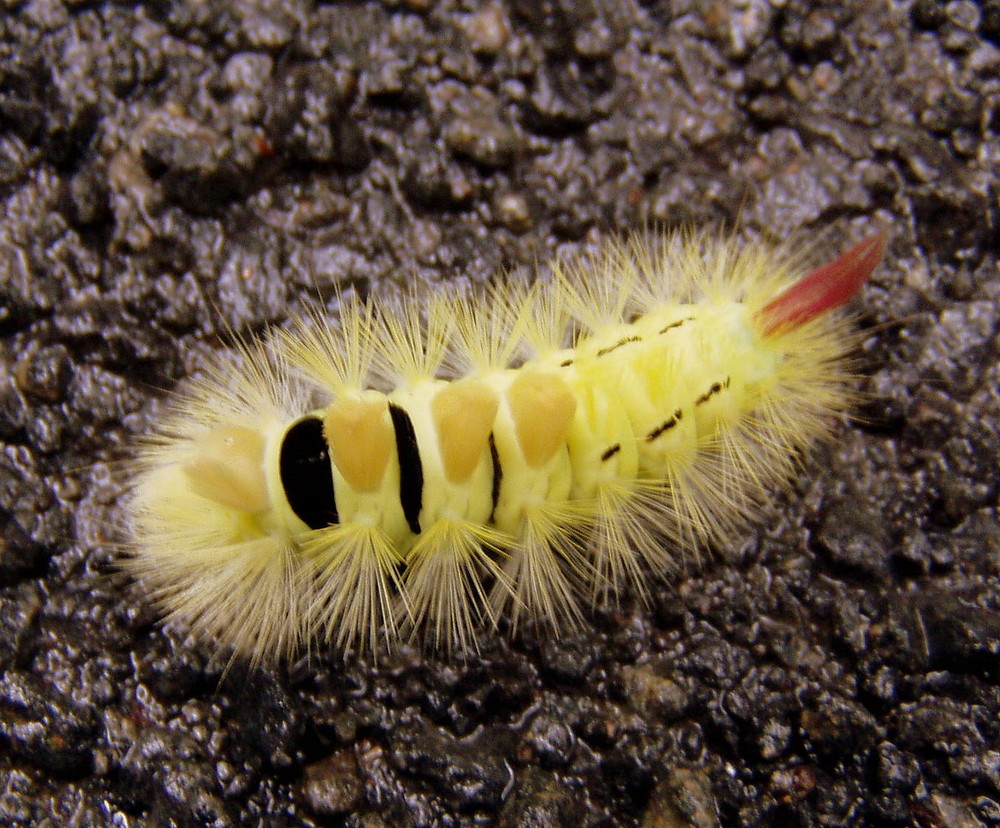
(175,172)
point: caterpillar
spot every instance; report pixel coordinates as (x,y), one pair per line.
(425,468)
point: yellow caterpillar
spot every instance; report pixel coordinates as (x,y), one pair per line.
(425,468)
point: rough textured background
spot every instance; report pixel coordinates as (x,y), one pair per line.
(175,171)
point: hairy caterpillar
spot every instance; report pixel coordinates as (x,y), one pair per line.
(430,467)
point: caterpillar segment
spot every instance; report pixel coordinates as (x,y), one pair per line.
(424,470)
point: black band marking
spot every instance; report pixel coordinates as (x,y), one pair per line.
(497,476)
(618,344)
(411,469)
(566,363)
(611,451)
(714,389)
(675,418)
(677,324)
(306,474)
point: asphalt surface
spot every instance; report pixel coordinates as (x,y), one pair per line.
(176,173)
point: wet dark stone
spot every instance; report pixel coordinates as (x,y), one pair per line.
(192,162)
(161,775)
(87,197)
(477,132)
(564,26)
(989,21)
(768,67)
(550,739)
(488,30)
(19,554)
(717,662)
(270,722)
(838,731)
(539,800)
(927,14)
(43,727)
(513,211)
(809,31)
(45,374)
(563,98)
(922,554)
(961,636)
(948,239)
(684,798)
(898,775)
(434,179)
(470,774)
(174,678)
(22,487)
(837,801)
(308,116)
(652,691)
(333,786)
(566,659)
(939,631)
(106,333)
(855,536)
(19,621)
(940,726)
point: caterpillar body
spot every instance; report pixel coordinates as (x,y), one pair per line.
(426,468)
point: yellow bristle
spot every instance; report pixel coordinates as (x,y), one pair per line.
(445,582)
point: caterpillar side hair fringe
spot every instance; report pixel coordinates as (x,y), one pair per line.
(425,468)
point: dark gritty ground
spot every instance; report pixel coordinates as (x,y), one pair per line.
(174,172)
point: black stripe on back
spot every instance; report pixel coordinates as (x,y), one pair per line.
(306,474)
(624,341)
(497,475)
(411,469)
(666,425)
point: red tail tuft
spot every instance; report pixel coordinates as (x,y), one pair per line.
(823,289)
